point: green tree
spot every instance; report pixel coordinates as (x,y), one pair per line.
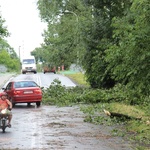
(8,56)
(81,30)
(3,30)
(38,54)
(11,63)
(62,38)
(98,39)
(129,58)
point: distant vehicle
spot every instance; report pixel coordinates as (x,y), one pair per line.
(28,65)
(49,68)
(24,92)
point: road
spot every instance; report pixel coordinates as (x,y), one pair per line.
(58,128)
(45,80)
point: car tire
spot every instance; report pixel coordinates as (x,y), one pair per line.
(28,104)
(38,104)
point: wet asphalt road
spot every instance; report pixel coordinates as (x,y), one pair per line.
(51,127)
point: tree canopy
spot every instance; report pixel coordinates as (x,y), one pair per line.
(109,39)
(8,56)
(129,57)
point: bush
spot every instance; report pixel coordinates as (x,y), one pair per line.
(60,95)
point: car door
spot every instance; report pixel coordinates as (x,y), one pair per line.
(8,90)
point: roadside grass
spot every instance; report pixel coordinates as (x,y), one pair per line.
(137,129)
(93,102)
(129,110)
(78,78)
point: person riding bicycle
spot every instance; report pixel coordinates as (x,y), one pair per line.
(5,104)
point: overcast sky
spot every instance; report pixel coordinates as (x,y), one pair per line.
(24,24)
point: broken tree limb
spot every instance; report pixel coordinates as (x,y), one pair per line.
(114,114)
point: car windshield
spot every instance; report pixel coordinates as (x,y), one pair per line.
(24,84)
(28,61)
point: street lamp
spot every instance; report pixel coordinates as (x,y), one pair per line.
(77,19)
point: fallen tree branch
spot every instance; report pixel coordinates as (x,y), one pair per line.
(122,116)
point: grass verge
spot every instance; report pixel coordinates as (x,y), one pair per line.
(78,78)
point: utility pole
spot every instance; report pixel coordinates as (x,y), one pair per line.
(19,54)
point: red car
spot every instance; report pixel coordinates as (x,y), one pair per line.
(49,69)
(24,92)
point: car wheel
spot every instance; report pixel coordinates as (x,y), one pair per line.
(28,104)
(38,104)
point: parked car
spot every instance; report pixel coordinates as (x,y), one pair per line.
(49,68)
(24,92)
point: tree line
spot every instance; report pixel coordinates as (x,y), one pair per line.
(109,39)
(8,56)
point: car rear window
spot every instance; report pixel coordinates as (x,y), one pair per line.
(23,84)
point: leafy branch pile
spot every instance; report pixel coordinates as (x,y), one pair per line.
(60,95)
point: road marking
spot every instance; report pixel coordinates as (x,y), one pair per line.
(37,135)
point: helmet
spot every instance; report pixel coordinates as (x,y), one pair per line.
(4,94)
